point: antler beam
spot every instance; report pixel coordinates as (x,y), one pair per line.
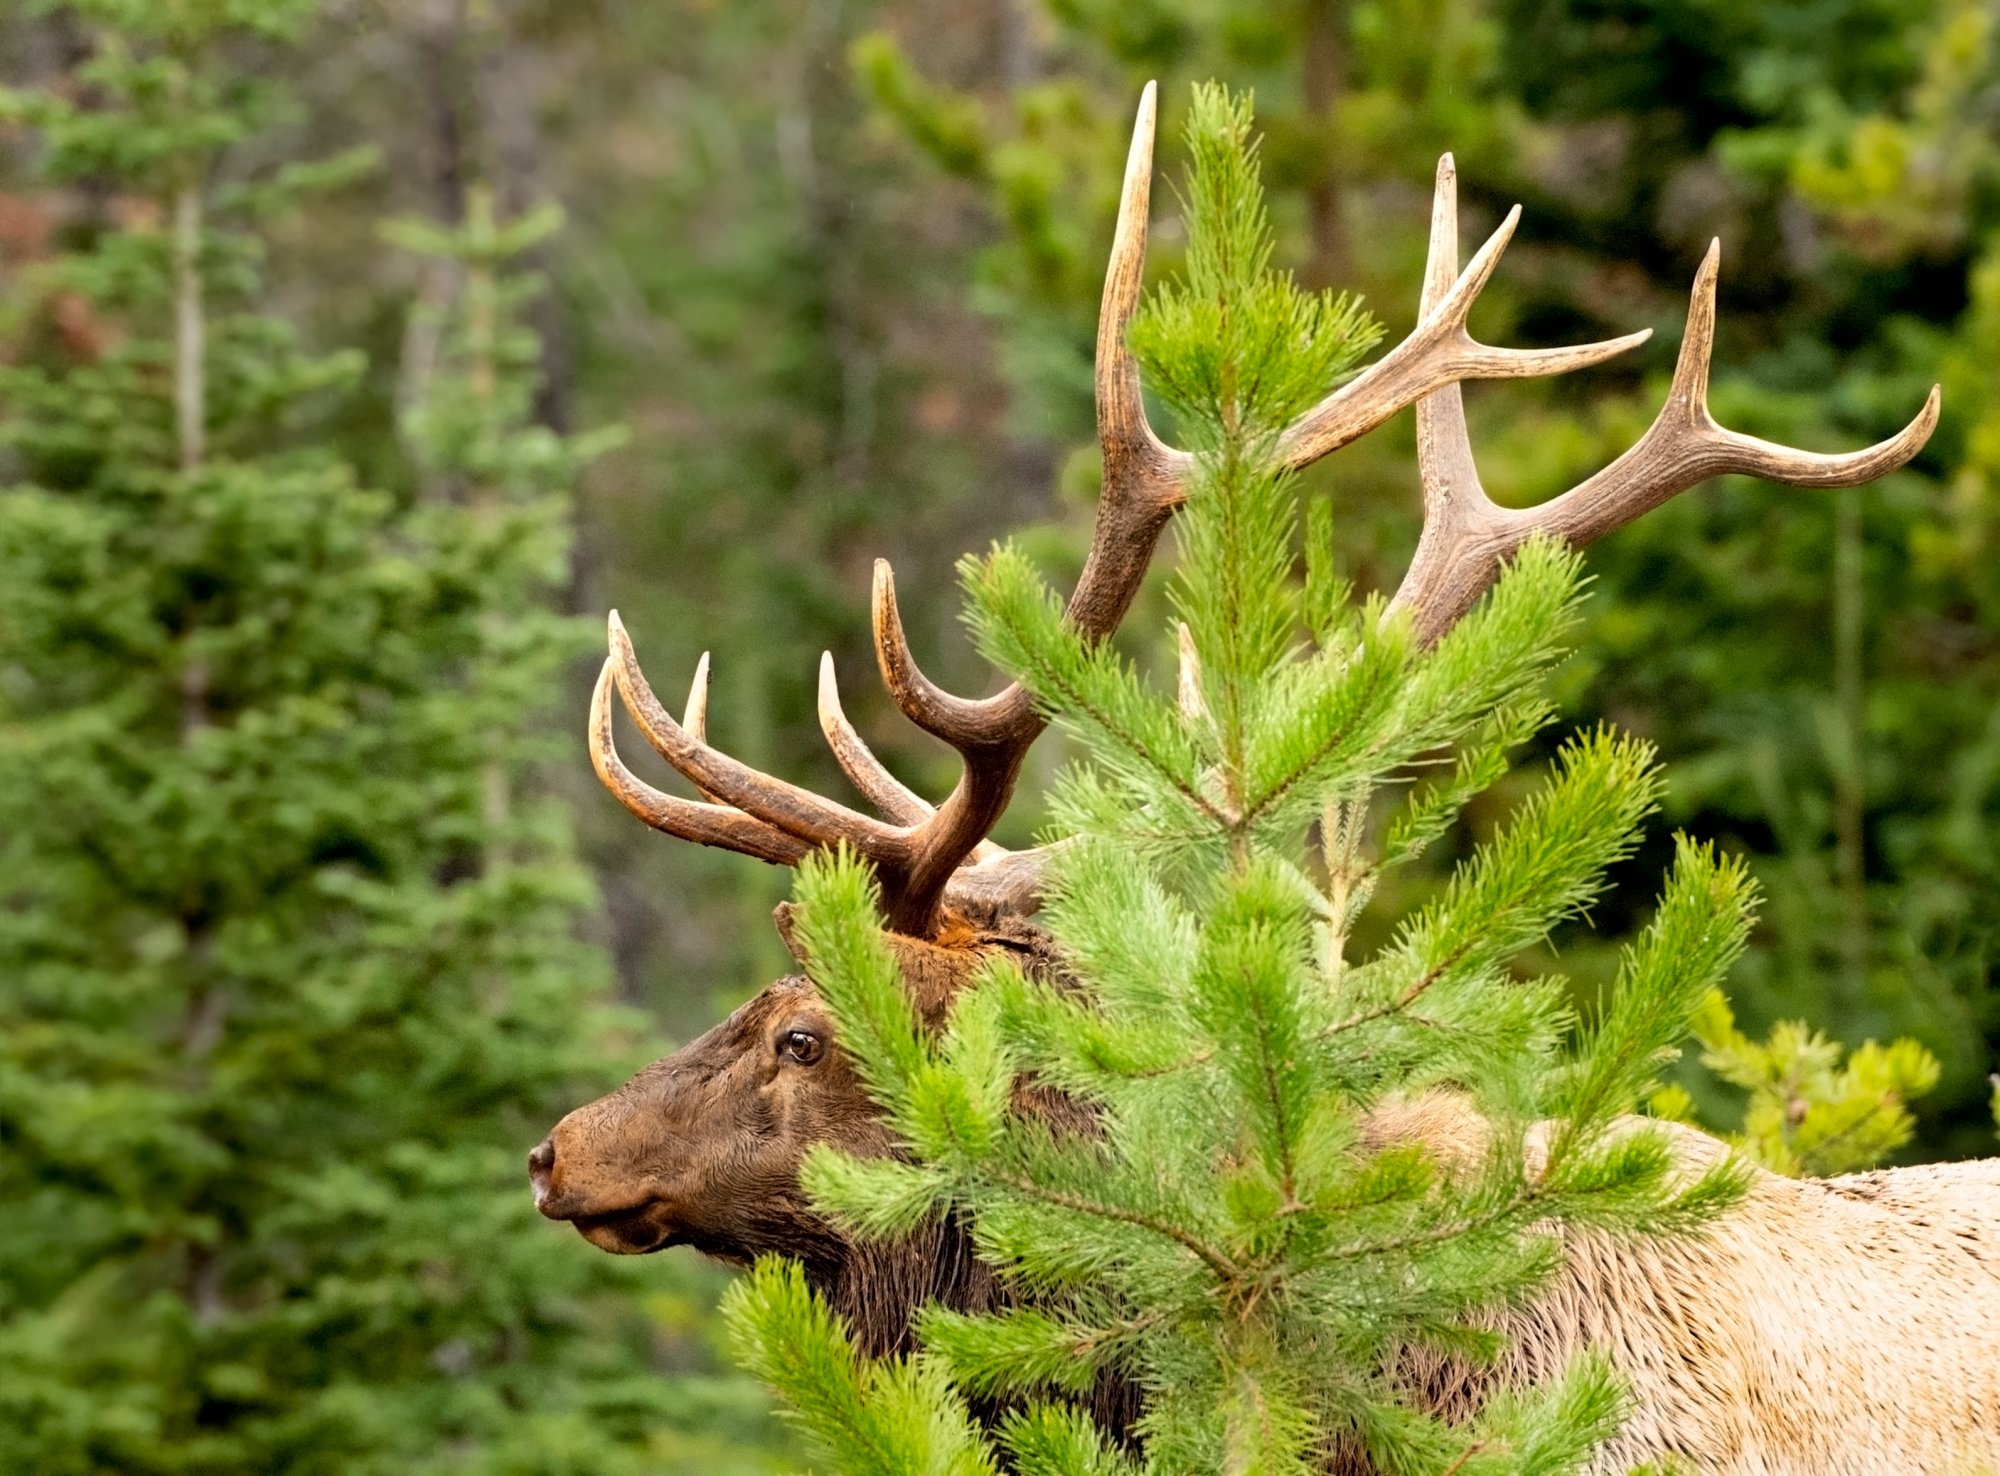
(1441,351)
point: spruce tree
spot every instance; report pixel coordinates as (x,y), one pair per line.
(1225,1235)
(289,958)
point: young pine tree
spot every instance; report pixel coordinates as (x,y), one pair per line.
(283,990)
(1807,1113)
(1227,1235)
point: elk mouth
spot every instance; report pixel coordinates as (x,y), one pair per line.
(650,1227)
(632,1229)
(628,1232)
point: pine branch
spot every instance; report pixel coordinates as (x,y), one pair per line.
(1215,1260)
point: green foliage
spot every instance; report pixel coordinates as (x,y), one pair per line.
(1812,673)
(1800,664)
(1808,1114)
(1345,93)
(288,921)
(882,1415)
(1227,1235)
(745,261)
(1236,348)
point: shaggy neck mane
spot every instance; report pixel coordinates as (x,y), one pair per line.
(877,1288)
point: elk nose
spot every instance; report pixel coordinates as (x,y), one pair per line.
(541,1169)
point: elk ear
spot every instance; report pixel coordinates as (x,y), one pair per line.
(785,918)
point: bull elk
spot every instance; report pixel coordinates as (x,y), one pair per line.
(1846,1325)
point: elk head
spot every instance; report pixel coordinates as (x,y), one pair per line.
(704,1147)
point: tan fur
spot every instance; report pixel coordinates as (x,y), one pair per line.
(1840,1327)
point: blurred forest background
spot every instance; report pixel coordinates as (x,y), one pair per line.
(509,311)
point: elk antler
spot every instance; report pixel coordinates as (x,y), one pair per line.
(929,857)
(1466,536)
(922,855)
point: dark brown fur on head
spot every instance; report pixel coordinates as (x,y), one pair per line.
(704,1147)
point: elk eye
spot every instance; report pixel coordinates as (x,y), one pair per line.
(801,1046)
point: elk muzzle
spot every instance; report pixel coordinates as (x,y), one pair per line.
(616,1211)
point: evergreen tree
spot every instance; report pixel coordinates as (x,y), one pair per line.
(1808,1113)
(289,970)
(1226,1235)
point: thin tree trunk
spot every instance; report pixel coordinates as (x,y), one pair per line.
(207,1014)
(1323,58)
(482,333)
(207,1009)
(1850,785)
(190,329)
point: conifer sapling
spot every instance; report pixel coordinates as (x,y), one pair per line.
(1226,1231)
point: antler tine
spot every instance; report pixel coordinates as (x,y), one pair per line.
(1187,688)
(1122,428)
(694,717)
(709,825)
(1440,351)
(1453,494)
(1144,478)
(795,811)
(884,790)
(1144,481)
(963,722)
(1683,447)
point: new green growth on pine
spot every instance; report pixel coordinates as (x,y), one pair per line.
(1807,1113)
(1226,1235)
